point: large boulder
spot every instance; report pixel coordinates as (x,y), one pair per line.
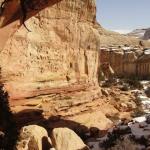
(66,139)
(33,137)
(96,119)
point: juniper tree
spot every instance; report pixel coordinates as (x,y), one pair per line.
(7,123)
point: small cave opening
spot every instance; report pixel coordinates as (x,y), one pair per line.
(71,65)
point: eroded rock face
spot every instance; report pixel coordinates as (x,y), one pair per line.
(121,62)
(60,50)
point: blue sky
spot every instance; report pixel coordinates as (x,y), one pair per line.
(123,15)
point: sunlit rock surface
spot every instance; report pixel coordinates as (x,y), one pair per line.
(60,50)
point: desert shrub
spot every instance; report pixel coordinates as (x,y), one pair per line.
(134,83)
(125,144)
(125,87)
(101,76)
(137,112)
(119,142)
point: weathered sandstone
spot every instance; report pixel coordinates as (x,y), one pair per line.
(60,50)
(66,139)
(33,137)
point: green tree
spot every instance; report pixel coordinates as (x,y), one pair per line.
(7,123)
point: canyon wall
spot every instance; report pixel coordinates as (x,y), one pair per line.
(60,51)
(133,63)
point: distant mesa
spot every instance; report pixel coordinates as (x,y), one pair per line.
(141,33)
(147,34)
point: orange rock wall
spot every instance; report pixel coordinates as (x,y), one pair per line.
(61,49)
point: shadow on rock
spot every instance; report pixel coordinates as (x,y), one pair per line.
(34,116)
